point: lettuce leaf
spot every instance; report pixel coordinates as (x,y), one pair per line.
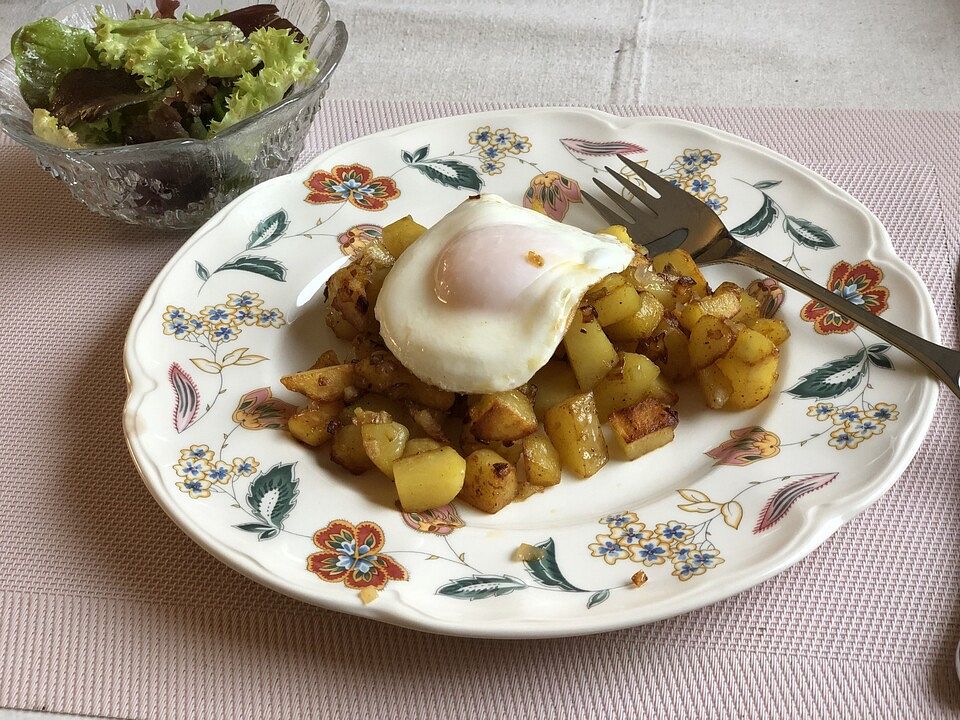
(285,62)
(159,50)
(46,127)
(88,94)
(44,51)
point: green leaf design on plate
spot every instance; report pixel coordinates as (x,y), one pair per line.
(451,173)
(877,354)
(264,532)
(273,494)
(268,230)
(261,266)
(202,271)
(546,571)
(598,597)
(832,379)
(760,222)
(479,587)
(765,184)
(808,234)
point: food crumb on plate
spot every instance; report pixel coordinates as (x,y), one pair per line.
(639,578)
(368,595)
(528,553)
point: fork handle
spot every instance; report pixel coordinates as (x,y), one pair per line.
(942,362)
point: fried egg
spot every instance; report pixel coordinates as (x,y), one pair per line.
(481,300)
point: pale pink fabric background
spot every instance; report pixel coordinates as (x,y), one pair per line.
(107,609)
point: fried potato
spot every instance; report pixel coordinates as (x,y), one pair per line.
(326,359)
(630,380)
(502,416)
(401,234)
(312,424)
(616,305)
(640,324)
(525,490)
(347,292)
(416,446)
(678,262)
(428,420)
(383,373)
(341,328)
(660,390)
(574,429)
(643,427)
(539,460)
(555,381)
(725,304)
(751,367)
(427,480)
(619,232)
(658,285)
(507,449)
(715,386)
(710,338)
(347,450)
(384,444)
(324,384)
(676,364)
(774,329)
(590,353)
(490,483)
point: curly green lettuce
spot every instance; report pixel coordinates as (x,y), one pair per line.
(285,63)
(44,51)
(160,50)
(46,127)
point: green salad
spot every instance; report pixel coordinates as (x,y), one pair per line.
(155,76)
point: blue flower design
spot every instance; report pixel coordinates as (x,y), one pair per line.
(650,552)
(224,333)
(851,292)
(714,204)
(848,415)
(705,558)
(618,520)
(177,328)
(701,185)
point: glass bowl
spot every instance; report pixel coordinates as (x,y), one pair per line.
(179,184)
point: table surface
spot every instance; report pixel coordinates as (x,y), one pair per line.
(775,53)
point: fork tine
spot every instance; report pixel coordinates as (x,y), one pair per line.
(648,176)
(638,192)
(602,210)
(621,202)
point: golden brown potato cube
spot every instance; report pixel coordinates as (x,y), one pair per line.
(490,483)
(311,425)
(401,234)
(375,403)
(679,262)
(507,449)
(429,479)
(416,446)
(641,324)
(749,308)
(341,328)
(540,460)
(676,366)
(774,329)
(619,232)
(751,347)
(555,381)
(751,367)
(428,420)
(323,384)
(347,290)
(724,304)
(715,387)
(381,371)
(525,490)
(627,384)
(606,285)
(428,395)
(574,429)
(660,390)
(590,353)
(643,427)
(326,359)
(365,344)
(710,338)
(646,280)
(384,443)
(616,305)
(347,450)
(502,416)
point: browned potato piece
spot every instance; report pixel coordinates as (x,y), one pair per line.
(383,373)
(326,359)
(710,338)
(347,450)
(641,324)
(646,280)
(608,284)
(540,460)
(428,420)
(751,367)
(724,304)
(590,353)
(643,427)
(715,387)
(661,390)
(429,479)
(676,366)
(490,483)
(428,395)
(347,290)
(365,344)
(323,384)
(774,329)
(375,403)
(415,446)
(628,383)
(469,443)
(525,490)
(311,425)
(384,443)
(555,381)
(619,232)
(401,234)
(618,304)
(679,262)
(574,429)
(502,416)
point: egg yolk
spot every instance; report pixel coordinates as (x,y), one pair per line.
(490,267)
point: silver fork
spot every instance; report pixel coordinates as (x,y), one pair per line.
(675,219)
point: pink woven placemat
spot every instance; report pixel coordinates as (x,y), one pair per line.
(106,608)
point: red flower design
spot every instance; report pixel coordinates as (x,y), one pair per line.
(551,194)
(354,184)
(351,554)
(860,284)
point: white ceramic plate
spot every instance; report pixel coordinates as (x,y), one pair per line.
(736,499)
